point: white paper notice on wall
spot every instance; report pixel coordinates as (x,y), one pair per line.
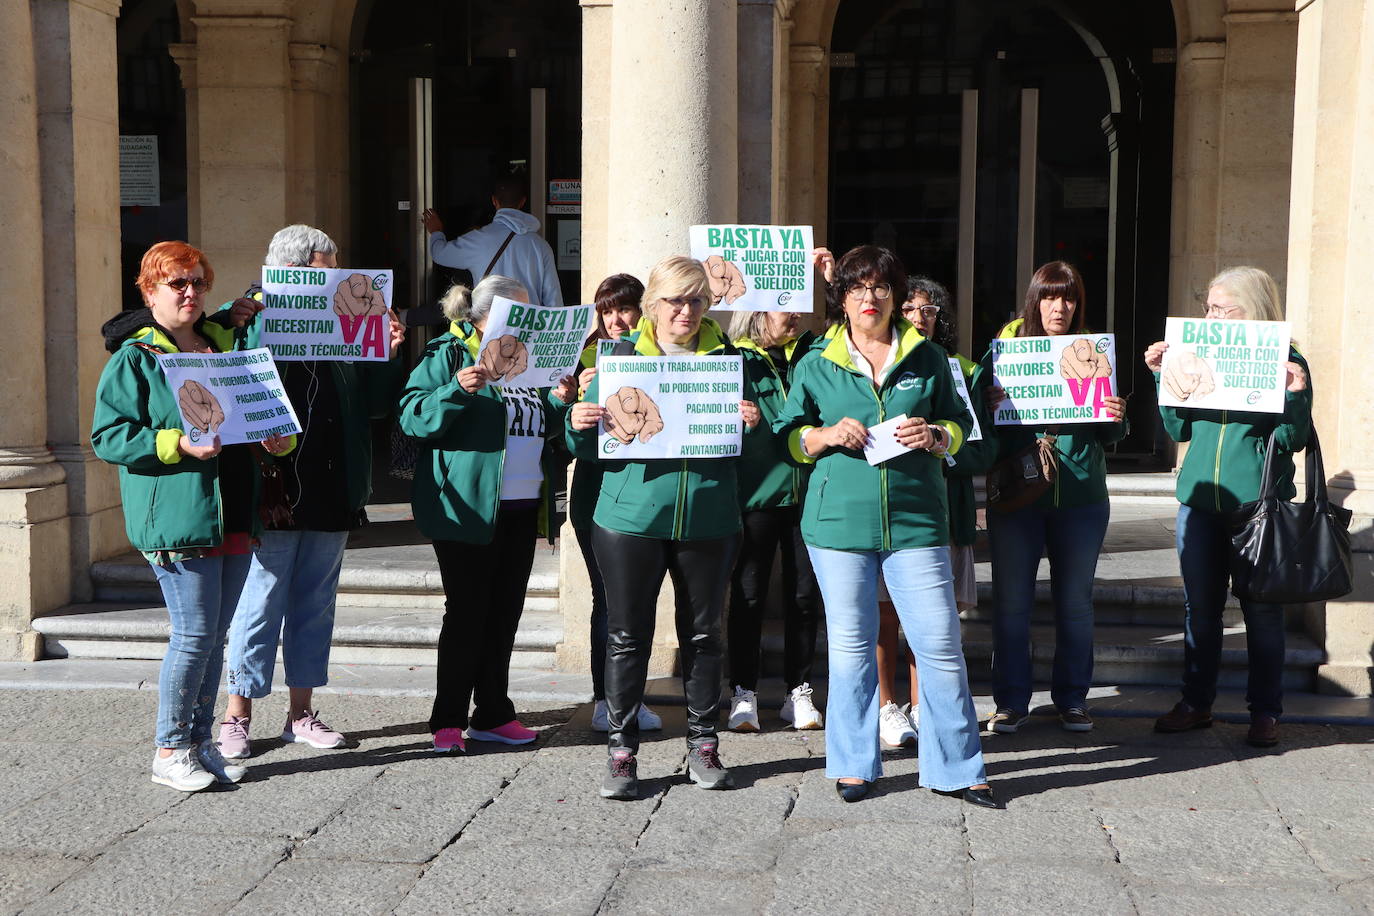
(139,184)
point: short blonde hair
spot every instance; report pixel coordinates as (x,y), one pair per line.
(1255,292)
(674,276)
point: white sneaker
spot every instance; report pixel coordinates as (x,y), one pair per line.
(181,771)
(648,719)
(211,759)
(913,714)
(894,728)
(800,710)
(744,711)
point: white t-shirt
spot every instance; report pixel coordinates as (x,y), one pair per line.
(521,476)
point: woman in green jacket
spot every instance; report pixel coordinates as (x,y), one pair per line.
(770,490)
(483,494)
(1069,521)
(189,505)
(679,517)
(1221,470)
(861,519)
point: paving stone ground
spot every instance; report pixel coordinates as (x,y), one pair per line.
(1120,820)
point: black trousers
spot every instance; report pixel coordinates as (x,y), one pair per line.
(765,531)
(484,594)
(633,569)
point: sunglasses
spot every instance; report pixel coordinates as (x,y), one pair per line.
(199,284)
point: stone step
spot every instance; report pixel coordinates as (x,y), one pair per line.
(1140,655)
(365,635)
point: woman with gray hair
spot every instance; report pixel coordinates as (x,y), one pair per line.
(289,597)
(770,491)
(484,486)
(1221,470)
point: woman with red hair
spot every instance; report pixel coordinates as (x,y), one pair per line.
(189,505)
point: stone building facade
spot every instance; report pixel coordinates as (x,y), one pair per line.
(708,110)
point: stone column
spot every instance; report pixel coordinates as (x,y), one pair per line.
(807,145)
(33,498)
(1197,137)
(318,175)
(673,158)
(757,100)
(1331,235)
(242,125)
(78,105)
(1256,150)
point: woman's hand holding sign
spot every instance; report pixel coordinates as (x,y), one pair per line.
(1297,377)
(749,412)
(586,415)
(567,389)
(472,378)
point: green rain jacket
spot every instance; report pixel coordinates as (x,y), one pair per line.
(849,504)
(767,479)
(687,499)
(1221,469)
(170,502)
(462,447)
(1082,477)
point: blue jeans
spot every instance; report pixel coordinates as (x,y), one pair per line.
(922,588)
(1073,538)
(200,597)
(1204,553)
(599,627)
(289,597)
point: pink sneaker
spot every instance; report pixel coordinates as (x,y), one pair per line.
(233,737)
(310,730)
(449,741)
(510,733)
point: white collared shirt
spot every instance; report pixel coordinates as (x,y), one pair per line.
(862,364)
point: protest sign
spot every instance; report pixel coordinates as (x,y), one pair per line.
(956,370)
(1225,365)
(236,396)
(756,268)
(533,346)
(670,406)
(326,314)
(1061,379)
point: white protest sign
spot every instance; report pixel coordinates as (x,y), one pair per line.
(326,314)
(670,406)
(1061,379)
(1225,365)
(956,369)
(237,396)
(756,268)
(532,346)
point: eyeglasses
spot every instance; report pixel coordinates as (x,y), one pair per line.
(927,311)
(1222,311)
(199,284)
(682,303)
(879,290)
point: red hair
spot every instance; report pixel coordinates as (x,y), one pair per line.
(165,257)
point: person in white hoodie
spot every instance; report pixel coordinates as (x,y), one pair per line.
(510,245)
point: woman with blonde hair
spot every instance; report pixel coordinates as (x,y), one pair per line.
(657,516)
(484,493)
(1221,470)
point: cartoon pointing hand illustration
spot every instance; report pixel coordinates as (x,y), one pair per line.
(504,357)
(1188,376)
(355,298)
(726,280)
(630,413)
(199,407)
(1081,360)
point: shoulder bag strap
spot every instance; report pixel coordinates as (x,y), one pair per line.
(496,257)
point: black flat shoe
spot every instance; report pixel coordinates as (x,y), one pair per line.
(982,798)
(852,792)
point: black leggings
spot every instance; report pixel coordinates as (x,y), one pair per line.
(633,568)
(765,530)
(484,595)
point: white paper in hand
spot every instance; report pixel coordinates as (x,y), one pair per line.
(882,441)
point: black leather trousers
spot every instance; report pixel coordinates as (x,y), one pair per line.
(633,569)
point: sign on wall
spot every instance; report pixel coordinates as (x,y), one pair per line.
(139,182)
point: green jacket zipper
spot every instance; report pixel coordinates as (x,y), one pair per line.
(681,500)
(1216,467)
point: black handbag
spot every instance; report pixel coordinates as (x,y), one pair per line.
(1289,552)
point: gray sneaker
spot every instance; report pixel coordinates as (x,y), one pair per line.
(622,777)
(705,769)
(214,763)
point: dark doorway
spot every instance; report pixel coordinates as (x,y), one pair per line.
(939,107)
